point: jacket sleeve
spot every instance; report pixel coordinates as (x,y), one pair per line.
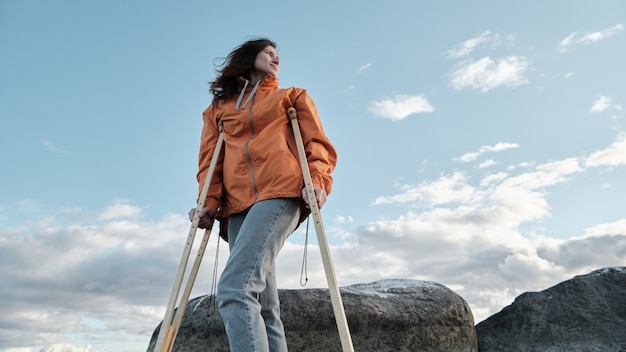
(321,154)
(208,141)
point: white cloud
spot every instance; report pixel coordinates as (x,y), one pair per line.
(615,228)
(486,74)
(601,104)
(585,38)
(567,41)
(400,107)
(613,155)
(474,242)
(487,163)
(469,45)
(599,35)
(341,219)
(498,147)
(120,210)
(493,178)
(363,68)
(52,147)
(512,198)
(467,157)
(349,90)
(118,273)
(446,189)
(490,264)
(66,348)
(547,174)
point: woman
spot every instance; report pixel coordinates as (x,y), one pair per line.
(257,192)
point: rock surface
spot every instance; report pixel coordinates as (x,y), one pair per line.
(383,316)
(586,313)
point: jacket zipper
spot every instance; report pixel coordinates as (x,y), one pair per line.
(253,183)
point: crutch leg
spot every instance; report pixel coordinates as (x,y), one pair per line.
(340,315)
(178,316)
(170,325)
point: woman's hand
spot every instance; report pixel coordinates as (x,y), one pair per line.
(206,217)
(320,196)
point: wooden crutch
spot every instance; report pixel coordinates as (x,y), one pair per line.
(169,326)
(335,296)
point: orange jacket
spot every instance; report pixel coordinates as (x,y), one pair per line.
(260,159)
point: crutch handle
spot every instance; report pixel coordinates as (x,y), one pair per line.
(291,112)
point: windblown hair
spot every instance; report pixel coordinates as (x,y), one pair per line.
(237,64)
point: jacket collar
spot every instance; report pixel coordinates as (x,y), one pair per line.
(267,82)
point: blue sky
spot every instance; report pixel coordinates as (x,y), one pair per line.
(481,145)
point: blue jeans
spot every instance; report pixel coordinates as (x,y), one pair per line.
(247,292)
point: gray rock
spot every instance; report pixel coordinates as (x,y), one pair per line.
(383,316)
(586,313)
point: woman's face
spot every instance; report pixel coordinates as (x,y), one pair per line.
(267,62)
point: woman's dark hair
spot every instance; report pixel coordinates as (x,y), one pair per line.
(237,64)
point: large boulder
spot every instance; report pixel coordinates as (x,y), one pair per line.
(387,315)
(586,313)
